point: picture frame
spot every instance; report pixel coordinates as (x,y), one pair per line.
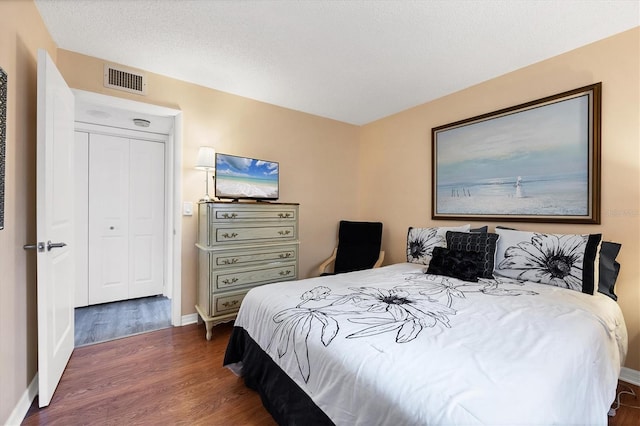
(3,140)
(534,162)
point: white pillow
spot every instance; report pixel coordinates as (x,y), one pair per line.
(561,260)
(422,241)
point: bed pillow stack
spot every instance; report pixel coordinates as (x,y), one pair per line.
(422,241)
(580,262)
(459,252)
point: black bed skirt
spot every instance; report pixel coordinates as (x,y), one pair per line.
(281,396)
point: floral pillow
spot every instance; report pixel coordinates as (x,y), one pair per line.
(561,260)
(422,241)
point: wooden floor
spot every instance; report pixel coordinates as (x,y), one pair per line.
(628,414)
(166,377)
(173,377)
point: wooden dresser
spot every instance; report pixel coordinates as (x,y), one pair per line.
(241,246)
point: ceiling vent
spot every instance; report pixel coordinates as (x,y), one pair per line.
(121,78)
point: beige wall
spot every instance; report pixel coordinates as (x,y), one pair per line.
(22,32)
(318,161)
(396,154)
(318,157)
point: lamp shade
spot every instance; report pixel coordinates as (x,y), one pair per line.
(206,158)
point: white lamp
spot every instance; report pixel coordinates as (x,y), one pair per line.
(206,161)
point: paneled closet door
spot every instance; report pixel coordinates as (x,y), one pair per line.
(126,218)
(146,213)
(108,218)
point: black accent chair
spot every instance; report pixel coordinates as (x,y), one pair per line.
(358,248)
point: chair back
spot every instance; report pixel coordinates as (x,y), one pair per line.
(358,245)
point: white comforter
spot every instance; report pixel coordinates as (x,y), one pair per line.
(393,346)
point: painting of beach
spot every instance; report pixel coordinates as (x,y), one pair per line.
(535,162)
(240,177)
(565,195)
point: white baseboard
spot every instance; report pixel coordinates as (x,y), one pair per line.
(630,376)
(21,409)
(189,319)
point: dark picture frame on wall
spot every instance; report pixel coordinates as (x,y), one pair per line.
(3,139)
(534,162)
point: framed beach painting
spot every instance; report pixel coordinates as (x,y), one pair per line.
(534,162)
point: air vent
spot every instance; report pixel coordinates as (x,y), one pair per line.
(120,78)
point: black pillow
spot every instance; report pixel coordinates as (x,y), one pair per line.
(608,269)
(459,264)
(484,228)
(484,243)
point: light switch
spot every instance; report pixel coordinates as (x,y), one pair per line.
(187,208)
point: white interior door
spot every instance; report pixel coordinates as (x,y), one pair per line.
(146,212)
(54,205)
(108,218)
(81,217)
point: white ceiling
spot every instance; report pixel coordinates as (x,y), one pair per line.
(353,61)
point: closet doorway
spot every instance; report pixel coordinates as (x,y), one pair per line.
(128,234)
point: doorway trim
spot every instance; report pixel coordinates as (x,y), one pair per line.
(173,223)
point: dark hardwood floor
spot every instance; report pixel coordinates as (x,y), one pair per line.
(174,377)
(628,414)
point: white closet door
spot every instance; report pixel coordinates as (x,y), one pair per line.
(146,212)
(108,218)
(81,217)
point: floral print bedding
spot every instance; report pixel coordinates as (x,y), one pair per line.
(394,345)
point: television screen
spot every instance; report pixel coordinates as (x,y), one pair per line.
(245,178)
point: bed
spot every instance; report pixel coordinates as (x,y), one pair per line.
(402,345)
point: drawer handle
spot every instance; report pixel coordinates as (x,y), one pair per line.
(285,273)
(230,261)
(230,304)
(284,215)
(285,255)
(229,216)
(229,281)
(227,235)
(287,232)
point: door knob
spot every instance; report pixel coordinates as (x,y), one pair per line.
(51,245)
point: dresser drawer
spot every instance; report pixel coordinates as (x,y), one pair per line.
(240,213)
(247,257)
(226,303)
(229,234)
(224,280)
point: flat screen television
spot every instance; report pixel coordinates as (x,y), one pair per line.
(244,178)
